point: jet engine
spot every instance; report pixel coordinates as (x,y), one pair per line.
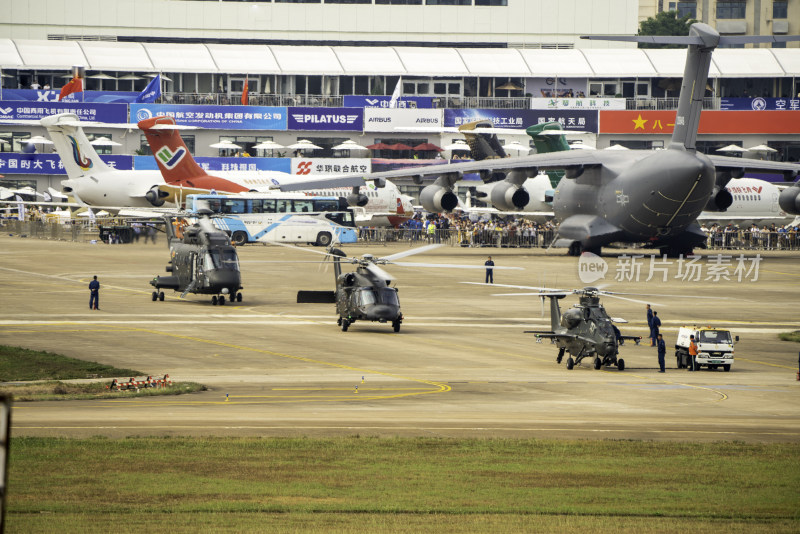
(156,196)
(720,200)
(436,198)
(357,199)
(789,201)
(507,196)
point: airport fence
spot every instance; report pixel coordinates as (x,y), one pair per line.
(754,239)
(458,237)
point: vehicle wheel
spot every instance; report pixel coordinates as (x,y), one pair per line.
(239,238)
(345,325)
(324,239)
(221,300)
(396,326)
(214,300)
(726,367)
(570,363)
(621,364)
(155,296)
(597,363)
(161,296)
(560,355)
(238,297)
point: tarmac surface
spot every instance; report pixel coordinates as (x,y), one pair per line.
(461,365)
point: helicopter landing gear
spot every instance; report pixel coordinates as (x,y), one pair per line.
(345,324)
(560,355)
(221,300)
(396,326)
(621,364)
(238,297)
(598,363)
(158,296)
(161,296)
(155,296)
(214,300)
(570,363)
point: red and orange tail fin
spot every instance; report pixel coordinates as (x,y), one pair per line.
(174,160)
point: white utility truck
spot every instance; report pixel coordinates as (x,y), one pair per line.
(714,348)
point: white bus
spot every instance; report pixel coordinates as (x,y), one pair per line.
(279,218)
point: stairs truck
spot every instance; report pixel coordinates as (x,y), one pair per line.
(714,348)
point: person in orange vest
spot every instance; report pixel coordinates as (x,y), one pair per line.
(692,352)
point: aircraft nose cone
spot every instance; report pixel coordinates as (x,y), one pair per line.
(224,278)
(382,312)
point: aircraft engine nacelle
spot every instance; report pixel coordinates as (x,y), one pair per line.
(436,199)
(571,318)
(506,196)
(156,196)
(721,200)
(358,199)
(789,201)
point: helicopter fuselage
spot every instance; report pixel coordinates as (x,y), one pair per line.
(362,296)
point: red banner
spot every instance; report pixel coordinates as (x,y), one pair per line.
(711,122)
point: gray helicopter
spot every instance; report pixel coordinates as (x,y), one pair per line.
(202,261)
(366,294)
(584,330)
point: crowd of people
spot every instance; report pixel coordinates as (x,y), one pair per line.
(753,237)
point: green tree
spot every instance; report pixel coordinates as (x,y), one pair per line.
(665,23)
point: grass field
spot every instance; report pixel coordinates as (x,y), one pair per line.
(400,485)
(790,336)
(18,364)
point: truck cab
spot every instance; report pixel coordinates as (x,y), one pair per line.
(714,348)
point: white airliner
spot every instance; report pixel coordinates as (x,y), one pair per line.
(754,202)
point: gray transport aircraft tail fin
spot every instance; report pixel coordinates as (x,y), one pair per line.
(702,40)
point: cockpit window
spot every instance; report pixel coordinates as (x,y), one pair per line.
(389,296)
(221,259)
(715,336)
(366,297)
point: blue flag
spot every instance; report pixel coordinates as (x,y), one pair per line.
(151,92)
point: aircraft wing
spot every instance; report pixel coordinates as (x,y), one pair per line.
(789,170)
(551,160)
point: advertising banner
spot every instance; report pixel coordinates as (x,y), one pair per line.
(38,95)
(210,164)
(711,122)
(312,166)
(215,117)
(577,103)
(332,119)
(17,110)
(18,163)
(363,101)
(760,104)
(389,120)
(579,120)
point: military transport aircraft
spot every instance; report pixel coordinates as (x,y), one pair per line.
(635,196)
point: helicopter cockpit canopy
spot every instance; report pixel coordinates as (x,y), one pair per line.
(220,258)
(366,296)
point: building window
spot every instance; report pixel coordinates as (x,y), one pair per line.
(731,10)
(298,1)
(491,2)
(448,2)
(399,2)
(348,1)
(687,9)
(14,141)
(779,9)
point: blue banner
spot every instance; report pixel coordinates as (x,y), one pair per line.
(760,104)
(17,163)
(151,93)
(332,119)
(96,97)
(362,101)
(570,119)
(215,117)
(16,110)
(211,164)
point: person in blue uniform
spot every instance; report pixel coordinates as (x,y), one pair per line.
(489,270)
(94,294)
(655,328)
(662,352)
(650,323)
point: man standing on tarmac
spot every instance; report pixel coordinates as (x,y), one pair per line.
(654,328)
(662,352)
(692,353)
(650,323)
(94,294)
(489,270)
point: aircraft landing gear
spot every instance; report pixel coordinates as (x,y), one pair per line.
(570,363)
(598,363)
(155,296)
(396,326)
(345,324)
(161,296)
(221,300)
(621,364)
(560,355)
(239,297)
(158,296)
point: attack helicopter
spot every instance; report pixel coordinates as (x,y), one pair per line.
(366,294)
(202,261)
(584,330)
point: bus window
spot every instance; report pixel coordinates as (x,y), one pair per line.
(214,205)
(321,204)
(233,206)
(257,203)
(284,206)
(303,206)
(269,205)
(343,218)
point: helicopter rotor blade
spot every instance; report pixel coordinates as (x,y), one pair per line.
(546,290)
(380,273)
(613,296)
(451,265)
(410,252)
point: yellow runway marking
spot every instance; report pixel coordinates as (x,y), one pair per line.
(765,363)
